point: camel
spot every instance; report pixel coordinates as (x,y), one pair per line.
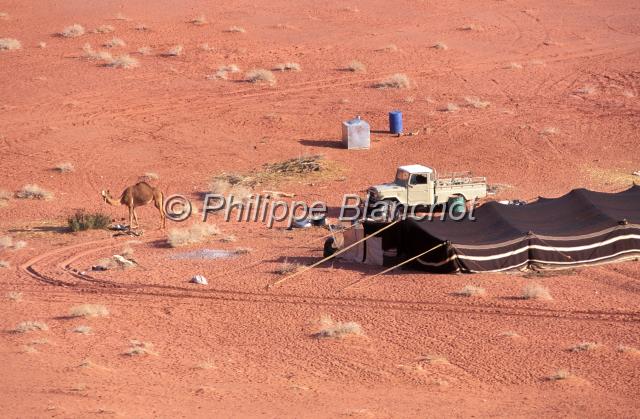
(136,196)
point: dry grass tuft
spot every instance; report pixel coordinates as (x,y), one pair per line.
(535,292)
(42,44)
(549,131)
(82,221)
(196,233)
(628,350)
(205,47)
(586,90)
(388,48)
(30,326)
(4,16)
(32,191)
(223,72)
(120,16)
(144,50)
(476,102)
(199,20)
(510,334)
(328,328)
(440,45)
(82,329)
(286,268)
(104,29)
(123,61)
(141,27)
(206,365)
(261,75)
(89,310)
(5,197)
(242,250)
(433,360)
(450,107)
(584,347)
(64,167)
(537,62)
(235,29)
(9,44)
(395,81)
(471,27)
(559,375)
(175,51)
(471,291)
(90,54)
(114,43)
(14,296)
(287,67)
(4,264)
(6,242)
(139,348)
(514,66)
(355,66)
(72,31)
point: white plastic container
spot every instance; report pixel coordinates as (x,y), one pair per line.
(356,134)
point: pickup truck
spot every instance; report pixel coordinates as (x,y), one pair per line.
(420,186)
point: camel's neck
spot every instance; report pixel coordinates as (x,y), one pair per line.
(111,201)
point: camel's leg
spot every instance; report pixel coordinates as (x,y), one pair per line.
(130,218)
(135,217)
(159,204)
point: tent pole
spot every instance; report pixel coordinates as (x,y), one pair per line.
(330,256)
(394,267)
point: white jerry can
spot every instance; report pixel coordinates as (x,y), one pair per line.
(356,134)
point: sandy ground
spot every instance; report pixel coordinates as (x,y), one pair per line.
(563,82)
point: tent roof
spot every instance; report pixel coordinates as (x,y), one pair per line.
(578,213)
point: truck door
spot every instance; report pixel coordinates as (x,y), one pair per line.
(419,189)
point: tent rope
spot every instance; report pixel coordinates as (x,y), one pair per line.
(286,278)
(396,266)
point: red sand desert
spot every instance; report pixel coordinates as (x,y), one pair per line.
(561,81)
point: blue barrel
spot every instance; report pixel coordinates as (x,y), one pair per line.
(395,122)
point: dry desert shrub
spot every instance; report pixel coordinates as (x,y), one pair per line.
(196,233)
(120,16)
(223,72)
(549,131)
(235,29)
(174,51)
(141,27)
(388,48)
(139,348)
(206,365)
(535,292)
(6,242)
(476,102)
(260,75)
(471,27)
(32,191)
(64,167)
(205,47)
(231,68)
(104,29)
(559,375)
(14,296)
(471,291)
(450,107)
(585,90)
(42,45)
(242,250)
(144,50)
(628,350)
(82,329)
(433,360)
(4,264)
(440,45)
(114,43)
(30,326)
(328,328)
(199,20)
(82,221)
(286,268)
(537,62)
(510,334)
(514,66)
(355,66)
(122,61)
(584,347)
(4,16)
(90,54)
(287,67)
(5,197)
(72,31)
(395,81)
(88,310)
(9,44)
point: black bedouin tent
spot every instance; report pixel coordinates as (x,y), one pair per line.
(580,228)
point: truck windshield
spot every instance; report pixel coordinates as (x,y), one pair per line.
(402,178)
